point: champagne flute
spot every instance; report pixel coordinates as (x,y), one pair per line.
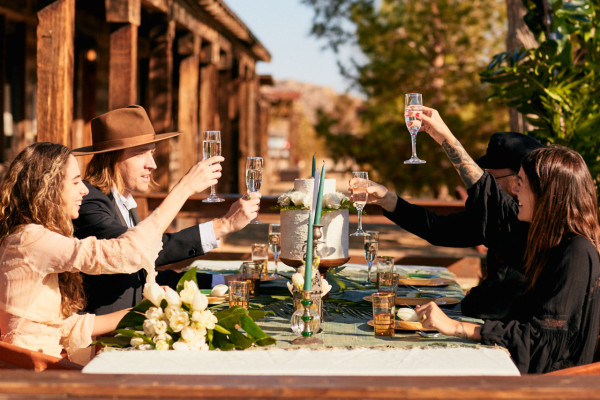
(211,146)
(371,249)
(275,244)
(359,184)
(413,102)
(254,173)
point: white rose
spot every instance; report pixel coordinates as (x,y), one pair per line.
(179,320)
(180,345)
(170,310)
(205,319)
(145,346)
(407,314)
(284,200)
(172,297)
(331,200)
(188,292)
(200,302)
(161,345)
(160,327)
(193,335)
(290,287)
(325,287)
(154,313)
(299,199)
(163,336)
(298,281)
(149,327)
(136,341)
(154,293)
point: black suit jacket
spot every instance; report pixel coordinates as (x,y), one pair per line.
(99,217)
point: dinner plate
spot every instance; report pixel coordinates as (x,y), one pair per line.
(268,278)
(425,281)
(413,301)
(405,326)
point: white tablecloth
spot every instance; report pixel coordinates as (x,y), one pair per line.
(339,362)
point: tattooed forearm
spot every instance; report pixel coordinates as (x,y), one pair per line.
(468,170)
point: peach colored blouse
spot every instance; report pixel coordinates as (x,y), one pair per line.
(30,261)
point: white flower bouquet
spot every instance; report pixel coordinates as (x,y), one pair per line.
(180,320)
(295,200)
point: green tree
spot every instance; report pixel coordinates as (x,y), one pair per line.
(434,47)
(556,85)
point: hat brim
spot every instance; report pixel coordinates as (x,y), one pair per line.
(89,150)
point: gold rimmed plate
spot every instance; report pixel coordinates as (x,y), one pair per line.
(405,326)
(425,282)
(414,301)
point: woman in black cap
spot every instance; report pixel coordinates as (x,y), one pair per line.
(555,323)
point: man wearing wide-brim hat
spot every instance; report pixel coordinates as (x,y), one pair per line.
(122,163)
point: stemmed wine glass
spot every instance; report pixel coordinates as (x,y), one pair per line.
(254,173)
(211,146)
(359,183)
(413,102)
(275,244)
(371,249)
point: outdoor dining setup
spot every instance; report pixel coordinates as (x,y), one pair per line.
(317,314)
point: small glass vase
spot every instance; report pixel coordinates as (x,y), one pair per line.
(307,309)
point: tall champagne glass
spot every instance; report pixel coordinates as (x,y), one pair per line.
(371,249)
(211,146)
(413,102)
(359,183)
(254,173)
(275,244)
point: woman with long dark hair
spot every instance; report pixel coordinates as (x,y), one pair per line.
(555,323)
(40,286)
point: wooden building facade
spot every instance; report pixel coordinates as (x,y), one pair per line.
(190,63)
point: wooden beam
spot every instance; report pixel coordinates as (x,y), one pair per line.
(160,91)
(55,63)
(22,384)
(122,75)
(123,11)
(189,71)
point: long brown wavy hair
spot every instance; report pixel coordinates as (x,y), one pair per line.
(565,204)
(31,193)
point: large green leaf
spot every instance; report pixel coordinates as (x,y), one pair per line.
(190,275)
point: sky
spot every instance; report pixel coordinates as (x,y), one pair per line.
(283,27)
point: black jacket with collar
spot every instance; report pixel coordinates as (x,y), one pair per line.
(100,217)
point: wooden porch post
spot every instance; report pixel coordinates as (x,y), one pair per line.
(55,63)
(189,71)
(125,17)
(160,91)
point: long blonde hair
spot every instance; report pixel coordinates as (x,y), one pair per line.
(103,171)
(31,193)
(563,189)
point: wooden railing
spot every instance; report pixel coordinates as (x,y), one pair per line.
(194,208)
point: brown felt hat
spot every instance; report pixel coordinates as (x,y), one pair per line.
(120,129)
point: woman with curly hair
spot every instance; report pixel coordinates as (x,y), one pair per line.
(555,323)
(41,289)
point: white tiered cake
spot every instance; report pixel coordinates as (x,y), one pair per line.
(294,228)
